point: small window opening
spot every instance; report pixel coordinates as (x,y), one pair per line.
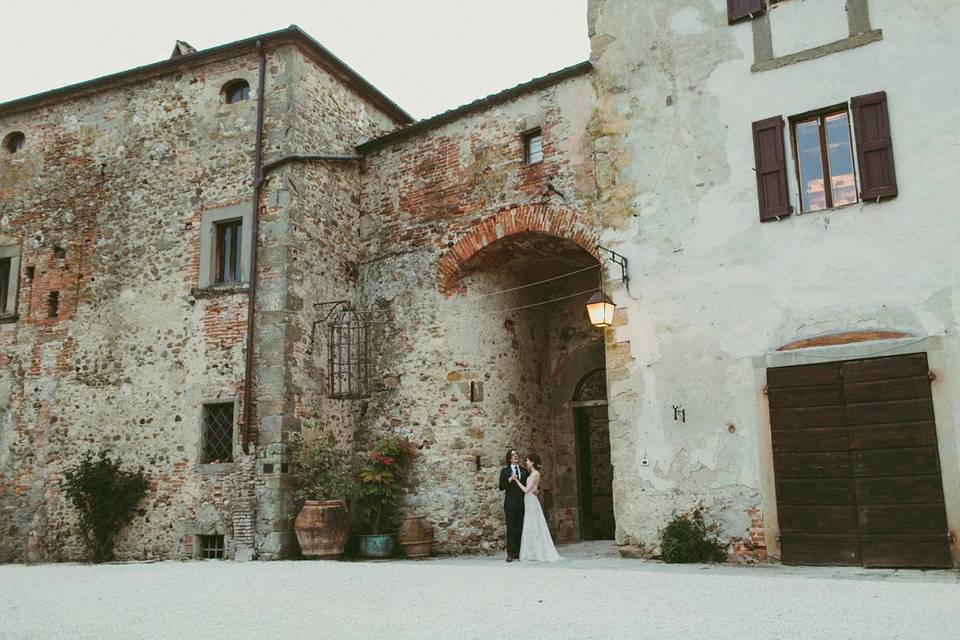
(227,236)
(53,304)
(476,392)
(14,141)
(30,271)
(5,266)
(532,147)
(217,433)
(824,158)
(211,547)
(59,253)
(236,91)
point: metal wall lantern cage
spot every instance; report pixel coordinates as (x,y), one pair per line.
(348,352)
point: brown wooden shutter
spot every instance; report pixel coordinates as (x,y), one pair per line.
(738,10)
(871,127)
(771,168)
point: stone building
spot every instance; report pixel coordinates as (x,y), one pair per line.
(725,169)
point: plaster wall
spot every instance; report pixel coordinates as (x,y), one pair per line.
(713,291)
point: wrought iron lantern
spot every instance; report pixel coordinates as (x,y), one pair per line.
(348,351)
(600,308)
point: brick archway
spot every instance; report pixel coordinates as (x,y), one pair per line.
(527,218)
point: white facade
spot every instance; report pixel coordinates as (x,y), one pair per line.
(714,292)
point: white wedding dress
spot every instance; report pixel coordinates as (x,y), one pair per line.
(535,542)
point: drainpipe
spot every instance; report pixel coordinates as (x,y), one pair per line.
(259,174)
(248,430)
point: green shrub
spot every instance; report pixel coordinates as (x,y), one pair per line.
(323,470)
(104,496)
(687,538)
(380,481)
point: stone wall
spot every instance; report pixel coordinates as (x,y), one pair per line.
(106,202)
(434,206)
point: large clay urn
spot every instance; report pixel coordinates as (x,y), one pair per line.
(416,537)
(322,528)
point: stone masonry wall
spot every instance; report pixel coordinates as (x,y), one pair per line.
(310,255)
(430,204)
(106,201)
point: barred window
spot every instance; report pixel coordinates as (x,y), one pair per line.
(211,547)
(217,433)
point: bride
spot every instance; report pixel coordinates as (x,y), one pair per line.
(535,542)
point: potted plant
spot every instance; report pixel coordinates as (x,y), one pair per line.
(323,483)
(379,481)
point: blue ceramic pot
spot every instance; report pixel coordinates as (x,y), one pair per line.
(376,546)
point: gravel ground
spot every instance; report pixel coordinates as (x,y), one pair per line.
(590,594)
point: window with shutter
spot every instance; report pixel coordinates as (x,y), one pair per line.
(771,168)
(871,126)
(738,10)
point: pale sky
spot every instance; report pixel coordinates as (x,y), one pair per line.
(427,55)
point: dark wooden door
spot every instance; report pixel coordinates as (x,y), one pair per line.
(596,473)
(856,464)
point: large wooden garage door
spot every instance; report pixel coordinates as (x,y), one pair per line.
(856,464)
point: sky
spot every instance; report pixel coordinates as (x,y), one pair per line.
(427,55)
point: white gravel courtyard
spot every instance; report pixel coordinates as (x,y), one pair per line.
(591,594)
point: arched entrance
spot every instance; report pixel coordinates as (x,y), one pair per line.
(594,469)
(517,330)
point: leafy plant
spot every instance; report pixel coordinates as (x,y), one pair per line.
(380,480)
(323,471)
(687,538)
(104,496)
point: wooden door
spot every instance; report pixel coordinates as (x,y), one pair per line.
(856,464)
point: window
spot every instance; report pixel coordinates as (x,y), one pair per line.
(823,152)
(211,547)
(225,248)
(236,91)
(532,147)
(5,264)
(9,276)
(53,304)
(824,159)
(228,241)
(217,433)
(14,141)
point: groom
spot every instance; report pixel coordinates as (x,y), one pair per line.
(513,502)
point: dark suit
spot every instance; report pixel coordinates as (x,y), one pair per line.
(513,508)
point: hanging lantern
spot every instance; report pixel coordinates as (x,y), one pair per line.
(600,309)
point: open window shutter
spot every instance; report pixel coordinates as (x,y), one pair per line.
(738,10)
(771,168)
(871,127)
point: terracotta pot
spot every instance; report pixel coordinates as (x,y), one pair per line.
(416,536)
(322,528)
(378,545)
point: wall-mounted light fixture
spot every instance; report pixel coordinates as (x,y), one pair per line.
(600,307)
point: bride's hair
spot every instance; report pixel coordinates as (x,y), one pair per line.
(535,459)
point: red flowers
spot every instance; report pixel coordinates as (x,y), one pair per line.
(375,456)
(388,460)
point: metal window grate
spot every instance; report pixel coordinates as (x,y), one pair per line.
(218,432)
(348,357)
(211,547)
